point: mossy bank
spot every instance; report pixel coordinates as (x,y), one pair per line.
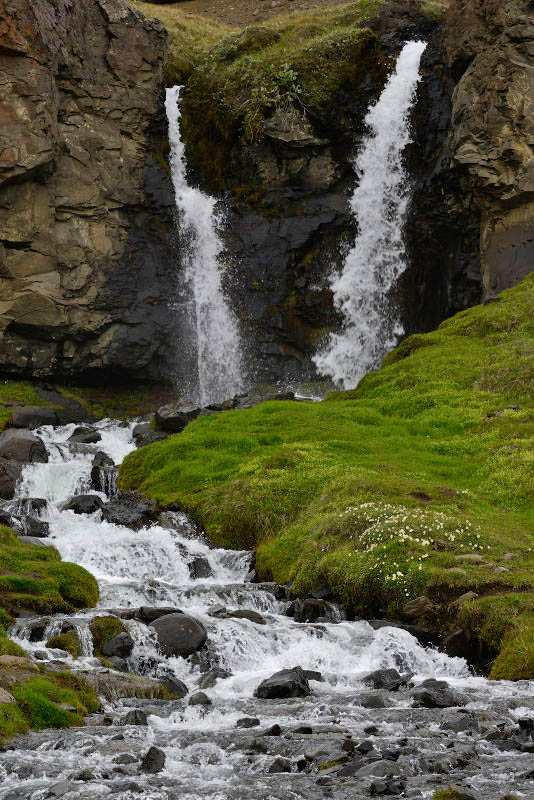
(417,482)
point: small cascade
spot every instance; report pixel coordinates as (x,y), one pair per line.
(362,292)
(214,328)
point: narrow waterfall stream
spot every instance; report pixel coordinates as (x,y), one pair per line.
(212,332)
(371,325)
(232,748)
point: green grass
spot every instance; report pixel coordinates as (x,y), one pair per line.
(9,648)
(377,490)
(16,392)
(68,641)
(34,578)
(39,704)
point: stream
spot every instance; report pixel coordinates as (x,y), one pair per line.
(346,739)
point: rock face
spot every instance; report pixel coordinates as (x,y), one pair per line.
(85,263)
(490,48)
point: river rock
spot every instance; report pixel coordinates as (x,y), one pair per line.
(379,769)
(84,434)
(210,678)
(285,683)
(437,694)
(388,679)
(120,645)
(174,685)
(173,418)
(179,634)
(220,612)
(9,475)
(149,614)
(143,434)
(247,722)
(153,762)
(84,504)
(130,510)
(280,764)
(17,444)
(200,568)
(199,699)
(118,663)
(310,610)
(135,717)
(33,416)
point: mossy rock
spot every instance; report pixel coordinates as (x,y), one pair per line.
(103,629)
(68,641)
(34,578)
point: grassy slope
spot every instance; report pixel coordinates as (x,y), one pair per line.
(35,578)
(376,490)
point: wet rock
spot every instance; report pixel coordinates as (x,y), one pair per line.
(36,527)
(200,568)
(175,685)
(210,678)
(101,459)
(179,634)
(247,722)
(120,645)
(311,610)
(305,729)
(199,699)
(84,775)
(387,787)
(84,504)
(130,510)
(118,663)
(135,717)
(280,764)
(33,416)
(17,444)
(437,694)
(285,683)
(418,608)
(220,612)
(125,758)
(149,614)
(114,685)
(388,679)
(372,700)
(84,434)
(174,418)
(313,675)
(10,521)
(379,769)
(274,730)
(153,762)
(9,474)
(143,434)
(61,788)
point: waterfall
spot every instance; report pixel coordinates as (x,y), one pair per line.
(371,325)
(214,329)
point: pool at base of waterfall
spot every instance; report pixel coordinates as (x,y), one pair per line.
(351,730)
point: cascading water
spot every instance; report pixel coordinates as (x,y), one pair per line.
(371,325)
(210,753)
(214,329)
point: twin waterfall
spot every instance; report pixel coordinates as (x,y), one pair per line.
(362,292)
(213,327)
(374,264)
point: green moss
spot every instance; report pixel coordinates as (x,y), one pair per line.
(118,402)
(34,577)
(16,393)
(66,641)
(9,648)
(103,629)
(515,661)
(378,489)
(451,794)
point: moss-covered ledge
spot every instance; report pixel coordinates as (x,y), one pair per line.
(416,482)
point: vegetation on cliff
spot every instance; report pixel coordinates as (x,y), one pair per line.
(417,481)
(34,578)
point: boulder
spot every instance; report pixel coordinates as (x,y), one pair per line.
(437,694)
(285,683)
(247,722)
(17,444)
(179,634)
(310,610)
(379,769)
(174,418)
(153,761)
(418,607)
(135,717)
(240,613)
(9,475)
(118,663)
(120,645)
(11,521)
(313,675)
(104,479)
(101,459)
(149,614)
(200,568)
(143,434)
(84,504)
(199,699)
(36,527)
(280,764)
(130,510)
(388,679)
(210,678)
(84,434)
(33,416)
(175,685)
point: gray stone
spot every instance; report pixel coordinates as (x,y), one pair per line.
(279,764)
(173,418)
(17,444)
(120,645)
(84,504)
(285,683)
(179,634)
(130,510)
(153,762)
(33,416)
(135,717)
(432,693)
(199,699)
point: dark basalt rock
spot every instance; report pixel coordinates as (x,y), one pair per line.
(174,418)
(33,416)
(130,510)
(153,762)
(174,685)
(17,444)
(120,645)
(199,699)
(220,612)
(311,610)
(9,475)
(210,678)
(84,504)
(36,527)
(179,634)
(85,435)
(389,679)
(149,614)
(143,434)
(247,722)
(118,663)
(285,683)
(280,764)
(200,568)
(135,717)
(437,694)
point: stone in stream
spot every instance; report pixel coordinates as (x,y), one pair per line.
(135,717)
(120,645)
(18,444)
(149,614)
(372,700)
(33,416)
(9,475)
(118,663)
(210,678)
(83,504)
(313,675)
(247,722)
(280,764)
(153,762)
(311,610)
(274,730)
(36,527)
(200,568)
(437,694)
(199,699)
(285,683)
(179,634)
(173,418)
(85,434)
(389,679)
(174,685)
(130,510)
(221,612)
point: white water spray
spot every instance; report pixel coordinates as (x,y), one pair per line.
(379,203)
(216,334)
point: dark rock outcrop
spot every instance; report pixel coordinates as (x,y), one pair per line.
(84,504)
(179,634)
(432,693)
(285,683)
(127,508)
(18,444)
(33,416)
(85,212)
(120,645)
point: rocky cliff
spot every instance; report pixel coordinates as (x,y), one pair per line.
(86,267)
(490,48)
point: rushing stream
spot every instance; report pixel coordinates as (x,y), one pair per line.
(210,752)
